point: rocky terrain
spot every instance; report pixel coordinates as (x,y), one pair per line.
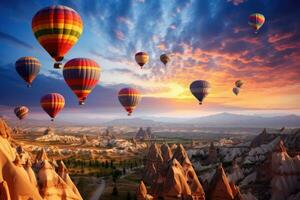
(20,179)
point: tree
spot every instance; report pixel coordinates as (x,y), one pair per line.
(106,164)
(128,195)
(124,170)
(115,191)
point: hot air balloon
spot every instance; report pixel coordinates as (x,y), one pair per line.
(129,99)
(239,83)
(21,112)
(57,28)
(164,58)
(256,20)
(81,75)
(200,89)
(236,90)
(141,58)
(28,67)
(52,104)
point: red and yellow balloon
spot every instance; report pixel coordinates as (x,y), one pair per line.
(81,75)
(57,28)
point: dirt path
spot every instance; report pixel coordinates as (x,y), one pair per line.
(98,192)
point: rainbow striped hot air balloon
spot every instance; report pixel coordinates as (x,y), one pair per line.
(57,28)
(52,104)
(21,112)
(129,99)
(141,58)
(256,20)
(28,68)
(81,75)
(200,89)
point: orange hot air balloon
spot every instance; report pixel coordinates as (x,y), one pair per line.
(21,112)
(57,28)
(129,99)
(141,58)
(52,104)
(256,21)
(81,75)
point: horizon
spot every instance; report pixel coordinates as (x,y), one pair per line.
(220,48)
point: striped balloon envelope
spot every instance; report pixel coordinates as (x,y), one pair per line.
(141,58)
(129,99)
(81,75)
(239,83)
(52,104)
(256,20)
(57,28)
(200,89)
(21,112)
(28,68)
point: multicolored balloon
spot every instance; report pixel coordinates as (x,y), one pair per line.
(129,99)
(81,75)
(141,58)
(52,104)
(236,90)
(256,20)
(200,89)
(164,58)
(21,112)
(57,28)
(28,68)
(239,83)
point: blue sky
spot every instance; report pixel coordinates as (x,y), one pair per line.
(207,39)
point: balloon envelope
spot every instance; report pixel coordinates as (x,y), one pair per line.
(129,99)
(236,90)
(21,112)
(52,104)
(256,20)
(164,58)
(141,58)
(239,83)
(200,89)
(81,75)
(57,28)
(28,68)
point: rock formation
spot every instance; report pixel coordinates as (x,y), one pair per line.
(221,189)
(144,134)
(18,180)
(285,171)
(141,193)
(171,177)
(212,154)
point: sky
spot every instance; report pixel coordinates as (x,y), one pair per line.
(208,39)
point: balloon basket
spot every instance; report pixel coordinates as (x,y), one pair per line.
(57,65)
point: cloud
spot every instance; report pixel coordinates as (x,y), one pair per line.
(13,40)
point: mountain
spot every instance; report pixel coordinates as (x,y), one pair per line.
(235,120)
(218,120)
(134,122)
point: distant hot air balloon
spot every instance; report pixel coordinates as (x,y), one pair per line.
(200,89)
(164,58)
(129,99)
(81,75)
(239,83)
(28,67)
(21,112)
(52,104)
(141,58)
(57,28)
(256,20)
(236,90)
